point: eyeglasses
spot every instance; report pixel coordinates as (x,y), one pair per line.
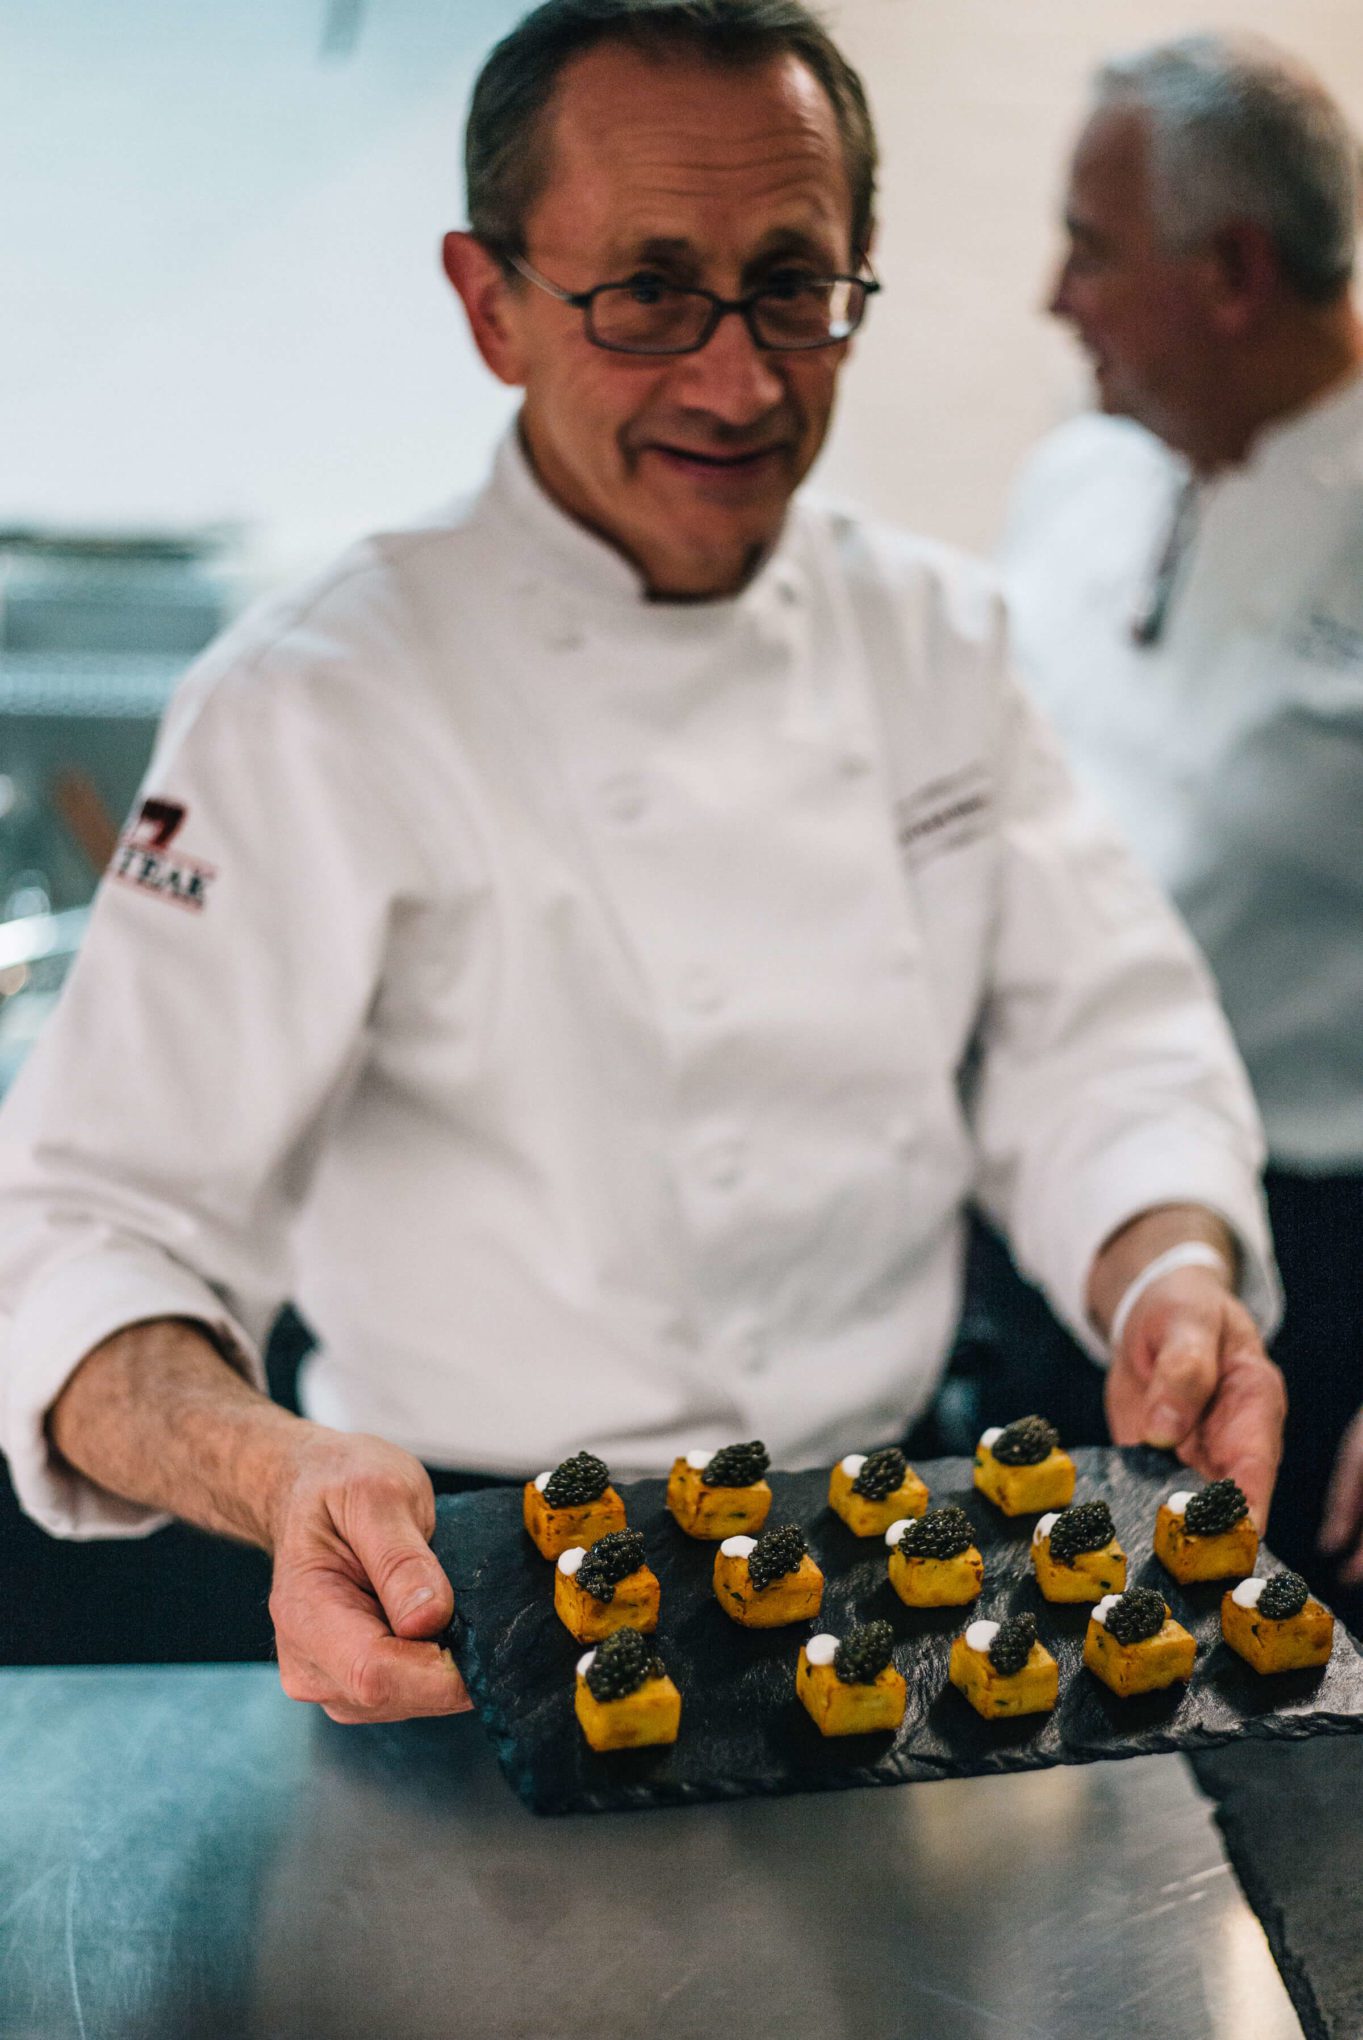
(648,315)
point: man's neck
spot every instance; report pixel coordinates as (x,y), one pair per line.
(1300,362)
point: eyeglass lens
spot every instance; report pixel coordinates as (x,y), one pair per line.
(654,318)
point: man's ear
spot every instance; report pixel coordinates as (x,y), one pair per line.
(1244,277)
(487,298)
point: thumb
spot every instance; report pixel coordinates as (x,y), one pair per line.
(404,1572)
(1182,1382)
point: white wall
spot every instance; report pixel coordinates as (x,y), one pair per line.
(976,103)
(218,254)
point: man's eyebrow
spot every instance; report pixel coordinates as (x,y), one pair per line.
(677,252)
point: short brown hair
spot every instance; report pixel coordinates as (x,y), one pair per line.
(506,172)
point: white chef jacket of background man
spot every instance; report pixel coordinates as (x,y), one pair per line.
(1189,592)
(567,998)
(1228,749)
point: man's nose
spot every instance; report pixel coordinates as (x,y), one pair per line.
(731,376)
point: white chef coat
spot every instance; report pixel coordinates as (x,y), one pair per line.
(565,997)
(1230,750)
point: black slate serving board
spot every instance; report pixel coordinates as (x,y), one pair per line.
(743,1732)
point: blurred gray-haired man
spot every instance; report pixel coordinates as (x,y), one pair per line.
(1187,577)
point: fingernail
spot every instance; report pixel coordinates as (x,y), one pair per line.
(1164,1426)
(415,1601)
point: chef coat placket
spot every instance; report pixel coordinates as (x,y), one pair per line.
(721,768)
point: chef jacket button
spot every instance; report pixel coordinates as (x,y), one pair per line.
(565,639)
(750,1348)
(903,1136)
(788,591)
(700,990)
(624,797)
(855,764)
(723,1163)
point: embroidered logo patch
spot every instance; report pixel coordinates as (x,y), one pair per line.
(143,857)
(946,814)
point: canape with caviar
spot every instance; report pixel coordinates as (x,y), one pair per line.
(1275,1625)
(573,1504)
(606,1586)
(1134,1645)
(1004,1670)
(851,1688)
(767,1581)
(719,1494)
(1022,1469)
(1075,1554)
(871,1490)
(623,1697)
(934,1561)
(1206,1534)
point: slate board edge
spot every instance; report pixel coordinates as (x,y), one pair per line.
(1271,1917)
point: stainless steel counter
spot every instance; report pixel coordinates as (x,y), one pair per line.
(184,1852)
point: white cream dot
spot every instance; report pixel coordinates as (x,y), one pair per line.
(987,1437)
(1178,1503)
(853,1464)
(821,1650)
(585,1663)
(698,1461)
(542,1480)
(1045,1526)
(896,1531)
(1246,1595)
(980,1635)
(571,1559)
(738,1547)
(1104,1609)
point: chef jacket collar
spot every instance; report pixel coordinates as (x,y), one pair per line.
(1324,435)
(564,550)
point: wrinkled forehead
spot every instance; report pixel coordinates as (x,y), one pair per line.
(692,156)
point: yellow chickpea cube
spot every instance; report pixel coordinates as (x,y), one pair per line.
(837,1708)
(1229,1554)
(651,1714)
(865,1517)
(998,1695)
(713,1513)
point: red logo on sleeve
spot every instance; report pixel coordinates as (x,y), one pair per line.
(143,858)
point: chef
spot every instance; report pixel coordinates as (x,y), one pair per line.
(1187,578)
(587,946)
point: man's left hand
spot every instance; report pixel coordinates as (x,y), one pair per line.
(1192,1375)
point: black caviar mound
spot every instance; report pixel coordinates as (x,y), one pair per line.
(939,1533)
(883,1472)
(774,1555)
(1025,1443)
(583,1478)
(1214,1509)
(1136,1615)
(864,1653)
(1012,1647)
(737,1466)
(624,1662)
(611,1559)
(1283,1597)
(1085,1527)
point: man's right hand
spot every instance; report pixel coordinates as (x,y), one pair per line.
(357,1592)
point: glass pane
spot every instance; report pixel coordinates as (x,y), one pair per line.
(649,316)
(819,312)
